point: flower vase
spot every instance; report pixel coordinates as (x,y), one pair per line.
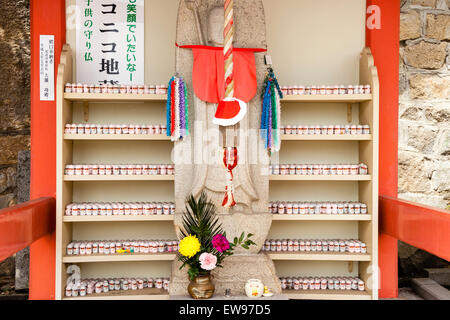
(201,287)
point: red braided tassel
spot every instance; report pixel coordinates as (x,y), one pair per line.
(230,160)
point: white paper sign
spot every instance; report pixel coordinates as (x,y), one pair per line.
(110,41)
(47,67)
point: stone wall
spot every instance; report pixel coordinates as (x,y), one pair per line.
(14,114)
(424,125)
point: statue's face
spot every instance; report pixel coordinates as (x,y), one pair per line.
(216,22)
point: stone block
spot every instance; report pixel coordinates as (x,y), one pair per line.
(437,114)
(436,201)
(438,26)
(413,113)
(403,136)
(10,146)
(429,87)
(7,179)
(409,25)
(422,138)
(22,269)
(440,275)
(412,176)
(7,267)
(23,177)
(424,3)
(441,176)
(442,145)
(430,289)
(7,200)
(425,55)
(403,83)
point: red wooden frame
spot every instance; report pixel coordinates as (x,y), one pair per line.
(24,224)
(48,17)
(385,46)
(421,226)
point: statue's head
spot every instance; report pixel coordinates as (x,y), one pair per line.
(216,21)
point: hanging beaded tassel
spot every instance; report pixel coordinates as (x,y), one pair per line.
(230,160)
(177,109)
(271,113)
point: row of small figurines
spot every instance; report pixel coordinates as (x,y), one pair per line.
(107,247)
(119,170)
(307,245)
(114,129)
(98,286)
(326,130)
(288,207)
(120,209)
(319,169)
(315,90)
(116,89)
(322,283)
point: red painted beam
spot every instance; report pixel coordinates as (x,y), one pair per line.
(23,224)
(421,226)
(383,38)
(47,18)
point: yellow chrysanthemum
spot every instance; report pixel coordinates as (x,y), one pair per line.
(189,246)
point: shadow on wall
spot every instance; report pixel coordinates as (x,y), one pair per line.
(412,263)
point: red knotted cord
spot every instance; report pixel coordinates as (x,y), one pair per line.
(230,160)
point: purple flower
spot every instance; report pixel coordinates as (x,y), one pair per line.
(220,243)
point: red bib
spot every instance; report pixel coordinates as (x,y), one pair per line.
(208,74)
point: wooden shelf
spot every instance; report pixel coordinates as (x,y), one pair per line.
(344,98)
(145,294)
(120,178)
(321,217)
(319,178)
(327,295)
(319,137)
(116,137)
(152,218)
(318,256)
(111,97)
(120,258)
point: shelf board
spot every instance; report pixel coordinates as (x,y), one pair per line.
(327,295)
(120,258)
(319,256)
(319,137)
(344,98)
(127,137)
(319,178)
(154,218)
(120,178)
(321,217)
(145,294)
(111,97)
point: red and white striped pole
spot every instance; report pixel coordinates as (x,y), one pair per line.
(230,110)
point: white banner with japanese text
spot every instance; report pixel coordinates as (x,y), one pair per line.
(47,67)
(110,41)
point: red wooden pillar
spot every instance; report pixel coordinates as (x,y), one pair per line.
(383,39)
(47,18)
